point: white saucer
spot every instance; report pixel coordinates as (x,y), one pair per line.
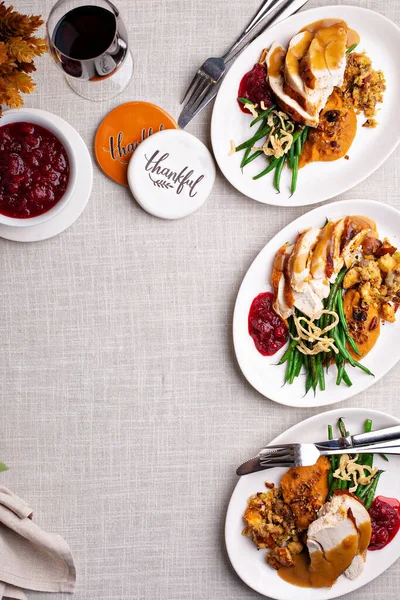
(65,218)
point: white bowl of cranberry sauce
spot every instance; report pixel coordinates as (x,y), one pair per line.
(37,168)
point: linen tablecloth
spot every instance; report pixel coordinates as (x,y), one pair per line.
(123,411)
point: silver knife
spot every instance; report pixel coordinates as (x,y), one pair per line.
(289,9)
(387,438)
(387,435)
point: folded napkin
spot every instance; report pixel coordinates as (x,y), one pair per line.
(30,559)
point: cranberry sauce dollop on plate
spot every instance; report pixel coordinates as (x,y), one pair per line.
(268,330)
(385,521)
(254,87)
(34,170)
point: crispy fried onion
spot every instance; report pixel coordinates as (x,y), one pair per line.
(252,108)
(232,149)
(349,470)
(280,138)
(314,335)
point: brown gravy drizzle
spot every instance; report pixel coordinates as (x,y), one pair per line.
(352,35)
(324,567)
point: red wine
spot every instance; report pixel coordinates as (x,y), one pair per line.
(85,32)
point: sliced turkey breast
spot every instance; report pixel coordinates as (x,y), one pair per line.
(298,46)
(274,61)
(350,250)
(345,502)
(284,300)
(312,101)
(299,261)
(339,537)
(321,251)
(335,259)
(308,302)
(323,65)
(320,287)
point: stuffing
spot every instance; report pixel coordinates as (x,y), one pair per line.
(280,557)
(387,263)
(387,312)
(352,277)
(371,272)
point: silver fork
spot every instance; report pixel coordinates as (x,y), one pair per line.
(213,68)
(304,455)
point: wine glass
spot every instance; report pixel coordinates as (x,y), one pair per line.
(89,43)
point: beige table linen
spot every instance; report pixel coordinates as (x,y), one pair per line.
(123,411)
(30,558)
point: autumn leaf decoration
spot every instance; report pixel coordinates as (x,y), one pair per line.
(18,49)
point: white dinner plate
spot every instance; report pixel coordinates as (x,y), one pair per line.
(317,181)
(250,564)
(262,371)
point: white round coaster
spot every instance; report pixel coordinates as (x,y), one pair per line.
(66,217)
(171,174)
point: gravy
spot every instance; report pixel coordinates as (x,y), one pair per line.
(352,35)
(324,568)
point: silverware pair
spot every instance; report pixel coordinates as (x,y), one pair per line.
(381,441)
(207,80)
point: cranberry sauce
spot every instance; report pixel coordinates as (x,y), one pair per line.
(385,520)
(267,329)
(254,87)
(34,170)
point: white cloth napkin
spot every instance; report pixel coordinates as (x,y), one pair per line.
(30,559)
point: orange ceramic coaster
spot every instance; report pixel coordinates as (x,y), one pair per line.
(121,132)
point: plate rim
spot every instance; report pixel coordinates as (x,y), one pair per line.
(289,201)
(276,440)
(316,403)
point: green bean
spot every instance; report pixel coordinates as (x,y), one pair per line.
(270,168)
(251,158)
(362,367)
(331,300)
(289,350)
(340,372)
(308,383)
(278,172)
(298,146)
(347,379)
(345,353)
(296,135)
(384,457)
(371,493)
(342,427)
(295,173)
(365,459)
(262,115)
(297,363)
(313,373)
(245,157)
(332,458)
(254,139)
(351,48)
(291,156)
(289,367)
(332,294)
(343,322)
(321,376)
(245,101)
(304,135)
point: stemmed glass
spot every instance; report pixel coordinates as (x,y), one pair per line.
(89,43)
